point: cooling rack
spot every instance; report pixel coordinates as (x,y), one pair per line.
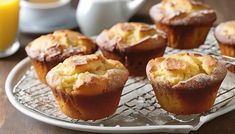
(138,111)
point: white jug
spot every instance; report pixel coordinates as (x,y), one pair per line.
(95,15)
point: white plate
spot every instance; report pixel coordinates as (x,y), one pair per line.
(69,23)
(138,110)
(20,69)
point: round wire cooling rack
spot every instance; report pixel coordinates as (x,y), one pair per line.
(138,109)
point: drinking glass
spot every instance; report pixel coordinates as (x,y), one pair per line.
(9,18)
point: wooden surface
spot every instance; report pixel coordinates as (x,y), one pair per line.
(14,122)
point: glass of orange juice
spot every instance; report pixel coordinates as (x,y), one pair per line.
(9,19)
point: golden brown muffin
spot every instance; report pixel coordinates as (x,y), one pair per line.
(225,35)
(186,22)
(186,83)
(88,87)
(134,44)
(47,51)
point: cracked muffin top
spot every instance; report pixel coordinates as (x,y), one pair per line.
(87,74)
(182,12)
(60,45)
(181,68)
(225,32)
(131,37)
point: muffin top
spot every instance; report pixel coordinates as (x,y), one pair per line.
(182,12)
(191,68)
(87,75)
(131,37)
(60,45)
(225,32)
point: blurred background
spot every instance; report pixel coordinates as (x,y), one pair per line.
(224,9)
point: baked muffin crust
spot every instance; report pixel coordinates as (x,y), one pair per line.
(87,75)
(134,44)
(186,69)
(186,83)
(131,37)
(225,32)
(182,12)
(59,45)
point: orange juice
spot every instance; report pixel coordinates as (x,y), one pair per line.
(9,18)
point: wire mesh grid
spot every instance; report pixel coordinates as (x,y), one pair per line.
(138,105)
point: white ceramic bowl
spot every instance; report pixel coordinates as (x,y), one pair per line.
(44,15)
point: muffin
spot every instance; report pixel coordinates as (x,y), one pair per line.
(225,35)
(134,44)
(47,51)
(186,83)
(87,87)
(186,22)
